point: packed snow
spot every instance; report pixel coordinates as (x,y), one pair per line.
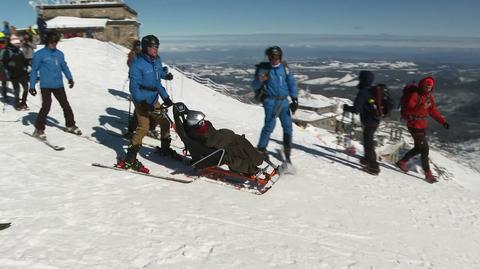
(75,22)
(330,214)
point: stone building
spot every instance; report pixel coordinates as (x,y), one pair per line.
(106,20)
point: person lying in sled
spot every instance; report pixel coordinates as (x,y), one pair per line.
(240,155)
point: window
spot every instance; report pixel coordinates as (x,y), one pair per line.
(116,32)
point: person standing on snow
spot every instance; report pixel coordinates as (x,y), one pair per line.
(16,64)
(369,118)
(145,75)
(418,106)
(50,62)
(132,123)
(42,28)
(277,84)
(28,48)
(3,72)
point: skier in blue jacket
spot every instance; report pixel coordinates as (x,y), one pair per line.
(146,73)
(50,63)
(277,84)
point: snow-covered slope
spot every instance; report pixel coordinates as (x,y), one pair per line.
(67,214)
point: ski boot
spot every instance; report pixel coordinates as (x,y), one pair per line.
(372,170)
(287,147)
(264,153)
(429,177)
(73,129)
(165,149)
(402,165)
(135,165)
(21,106)
(40,134)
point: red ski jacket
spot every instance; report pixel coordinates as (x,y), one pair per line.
(420,105)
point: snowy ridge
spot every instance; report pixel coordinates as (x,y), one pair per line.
(67,214)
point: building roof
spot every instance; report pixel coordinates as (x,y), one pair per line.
(307,99)
(87,5)
(63,22)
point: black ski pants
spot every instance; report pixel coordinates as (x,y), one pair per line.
(61,97)
(16,90)
(420,147)
(369,145)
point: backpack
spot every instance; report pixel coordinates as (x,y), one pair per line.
(261,92)
(380,102)
(406,93)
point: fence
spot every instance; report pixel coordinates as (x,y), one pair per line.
(213,85)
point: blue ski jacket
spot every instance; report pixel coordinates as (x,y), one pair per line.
(145,79)
(51,63)
(280,83)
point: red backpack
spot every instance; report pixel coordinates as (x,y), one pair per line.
(407,92)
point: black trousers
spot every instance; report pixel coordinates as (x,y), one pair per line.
(61,97)
(420,147)
(16,90)
(369,145)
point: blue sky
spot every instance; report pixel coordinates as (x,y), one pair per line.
(344,17)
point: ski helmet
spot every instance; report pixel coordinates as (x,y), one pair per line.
(149,41)
(195,118)
(52,37)
(274,50)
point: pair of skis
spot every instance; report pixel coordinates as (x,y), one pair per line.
(218,176)
(46,142)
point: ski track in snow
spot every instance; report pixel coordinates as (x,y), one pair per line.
(67,214)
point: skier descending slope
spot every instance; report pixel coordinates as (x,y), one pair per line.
(145,74)
(417,103)
(50,62)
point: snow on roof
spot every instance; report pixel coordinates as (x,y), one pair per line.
(75,22)
(314,100)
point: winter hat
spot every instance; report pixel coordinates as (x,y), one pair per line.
(365,79)
(14,40)
(428,81)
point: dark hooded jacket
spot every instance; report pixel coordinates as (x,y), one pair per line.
(360,105)
(240,155)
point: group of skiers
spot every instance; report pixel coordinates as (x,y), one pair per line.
(273,83)
(46,65)
(417,103)
(145,74)
(15,59)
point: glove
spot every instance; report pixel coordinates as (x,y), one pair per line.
(169,76)
(165,69)
(167,102)
(146,106)
(32,91)
(446,125)
(71,83)
(294,105)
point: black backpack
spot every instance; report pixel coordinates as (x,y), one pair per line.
(380,102)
